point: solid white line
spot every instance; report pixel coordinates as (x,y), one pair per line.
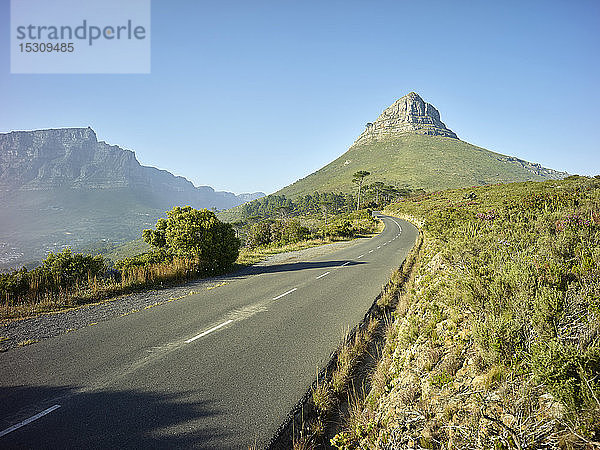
(360,256)
(399,227)
(284,294)
(227,322)
(345,264)
(322,275)
(28,421)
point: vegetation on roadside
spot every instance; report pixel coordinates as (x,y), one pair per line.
(318,204)
(337,390)
(188,244)
(496,341)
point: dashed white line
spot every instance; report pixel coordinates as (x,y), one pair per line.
(358,257)
(322,275)
(28,421)
(378,247)
(227,322)
(345,264)
(370,251)
(284,294)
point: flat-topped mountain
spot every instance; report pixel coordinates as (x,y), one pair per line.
(64,187)
(74,158)
(409,146)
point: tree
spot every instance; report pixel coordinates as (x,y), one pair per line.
(325,205)
(379,188)
(197,235)
(358,178)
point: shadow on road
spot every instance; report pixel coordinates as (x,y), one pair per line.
(289,267)
(107,419)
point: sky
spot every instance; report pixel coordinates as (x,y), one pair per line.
(251,95)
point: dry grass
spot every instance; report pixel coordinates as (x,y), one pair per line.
(94,289)
(322,397)
(27,342)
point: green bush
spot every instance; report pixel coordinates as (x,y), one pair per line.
(260,234)
(66,268)
(144,259)
(195,235)
(57,272)
(570,374)
(14,284)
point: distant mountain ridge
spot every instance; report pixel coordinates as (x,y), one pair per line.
(74,158)
(64,187)
(409,146)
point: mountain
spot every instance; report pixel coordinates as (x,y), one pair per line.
(409,146)
(64,187)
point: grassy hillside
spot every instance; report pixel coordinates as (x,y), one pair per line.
(415,161)
(496,341)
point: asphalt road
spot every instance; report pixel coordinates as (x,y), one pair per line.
(219,369)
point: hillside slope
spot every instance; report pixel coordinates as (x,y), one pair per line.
(409,146)
(496,336)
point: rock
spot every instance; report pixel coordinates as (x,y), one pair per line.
(508,419)
(408,114)
(73,158)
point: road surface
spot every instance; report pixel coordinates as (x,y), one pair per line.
(218,369)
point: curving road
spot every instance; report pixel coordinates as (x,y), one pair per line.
(219,369)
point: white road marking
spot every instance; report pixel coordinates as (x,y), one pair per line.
(360,256)
(284,294)
(28,421)
(345,264)
(370,251)
(378,247)
(322,275)
(399,227)
(385,243)
(227,322)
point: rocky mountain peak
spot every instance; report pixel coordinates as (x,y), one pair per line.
(408,114)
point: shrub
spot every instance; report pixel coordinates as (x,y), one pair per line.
(59,271)
(144,259)
(260,234)
(65,268)
(566,371)
(196,235)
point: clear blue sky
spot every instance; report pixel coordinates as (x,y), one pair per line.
(252,95)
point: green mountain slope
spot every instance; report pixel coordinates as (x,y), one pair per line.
(419,161)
